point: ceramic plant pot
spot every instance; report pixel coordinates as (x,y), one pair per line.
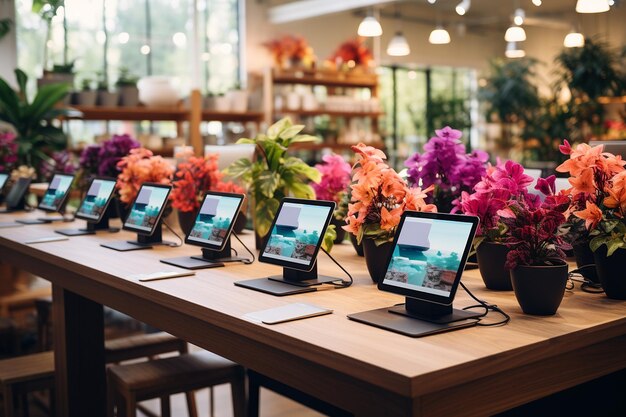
(584,256)
(186,219)
(376,258)
(358,247)
(491,259)
(341,233)
(611,272)
(539,289)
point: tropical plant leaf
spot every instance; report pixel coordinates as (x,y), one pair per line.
(22,79)
(246,141)
(301,190)
(305,138)
(290,132)
(298,167)
(239,168)
(268,183)
(329,238)
(264,214)
(274,131)
(47,96)
(9,103)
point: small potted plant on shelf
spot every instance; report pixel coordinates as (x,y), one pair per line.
(379,197)
(291,52)
(352,55)
(127,87)
(445,165)
(598,195)
(194,176)
(504,183)
(87,95)
(333,186)
(272,174)
(106,98)
(536,259)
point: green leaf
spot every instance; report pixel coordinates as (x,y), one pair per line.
(47,96)
(290,132)
(9,103)
(305,138)
(301,190)
(246,141)
(274,131)
(329,238)
(298,167)
(265,211)
(613,245)
(238,168)
(22,79)
(268,182)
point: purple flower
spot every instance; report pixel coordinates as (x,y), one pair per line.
(449,133)
(8,151)
(102,159)
(62,161)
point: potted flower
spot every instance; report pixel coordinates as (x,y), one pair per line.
(140,166)
(536,259)
(272,174)
(291,52)
(379,197)
(60,161)
(445,165)
(503,184)
(598,195)
(194,176)
(352,54)
(101,159)
(333,186)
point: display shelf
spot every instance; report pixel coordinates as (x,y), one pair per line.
(332,113)
(140,113)
(211,115)
(350,79)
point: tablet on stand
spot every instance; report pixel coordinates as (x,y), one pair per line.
(54,199)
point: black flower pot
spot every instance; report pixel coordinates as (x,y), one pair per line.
(358,247)
(491,258)
(341,233)
(260,241)
(539,289)
(611,272)
(376,258)
(240,222)
(584,256)
(186,219)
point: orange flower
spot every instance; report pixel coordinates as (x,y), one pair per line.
(583,183)
(390,219)
(591,215)
(140,166)
(616,199)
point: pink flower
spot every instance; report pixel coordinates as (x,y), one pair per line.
(449,133)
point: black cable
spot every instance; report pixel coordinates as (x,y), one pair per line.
(488,307)
(586,285)
(344,284)
(245,261)
(172,244)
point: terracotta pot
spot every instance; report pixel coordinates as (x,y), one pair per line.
(358,247)
(539,289)
(584,256)
(341,233)
(611,273)
(376,258)
(186,219)
(491,258)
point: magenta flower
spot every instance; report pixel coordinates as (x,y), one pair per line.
(335,178)
(449,133)
(8,151)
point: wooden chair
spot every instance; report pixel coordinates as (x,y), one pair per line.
(130,384)
(24,374)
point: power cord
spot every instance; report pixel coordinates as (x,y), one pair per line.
(586,285)
(344,284)
(488,307)
(245,261)
(172,244)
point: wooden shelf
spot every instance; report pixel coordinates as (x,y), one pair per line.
(329,79)
(612,100)
(337,146)
(334,113)
(132,113)
(211,115)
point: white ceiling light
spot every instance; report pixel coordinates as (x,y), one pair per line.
(611,3)
(179,39)
(515,34)
(520,15)
(145,49)
(574,40)
(398,46)
(439,36)
(537,3)
(123,38)
(463,7)
(513,51)
(370,27)
(592,6)
(432,1)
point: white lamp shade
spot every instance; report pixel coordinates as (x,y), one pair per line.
(574,40)
(513,51)
(592,6)
(370,27)
(398,46)
(439,36)
(515,34)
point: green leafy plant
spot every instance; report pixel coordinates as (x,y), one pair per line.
(86,84)
(5,27)
(272,174)
(126,78)
(36,135)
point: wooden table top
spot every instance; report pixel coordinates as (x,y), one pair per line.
(403,365)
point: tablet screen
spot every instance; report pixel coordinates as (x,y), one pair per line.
(3,179)
(147,208)
(297,233)
(215,219)
(17,193)
(57,192)
(429,255)
(97,199)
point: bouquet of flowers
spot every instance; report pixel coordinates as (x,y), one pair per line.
(335,180)
(140,166)
(194,176)
(290,49)
(8,151)
(598,193)
(102,159)
(445,165)
(379,197)
(354,51)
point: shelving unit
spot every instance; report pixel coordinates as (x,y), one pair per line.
(332,81)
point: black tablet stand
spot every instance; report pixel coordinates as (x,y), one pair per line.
(92,227)
(302,278)
(210,258)
(142,242)
(432,312)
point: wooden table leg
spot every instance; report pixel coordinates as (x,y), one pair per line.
(78,355)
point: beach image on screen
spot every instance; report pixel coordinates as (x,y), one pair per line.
(214,219)
(145,211)
(3,180)
(296,233)
(56,191)
(427,255)
(97,196)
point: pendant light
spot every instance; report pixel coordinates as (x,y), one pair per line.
(463,7)
(513,51)
(439,36)
(515,34)
(574,39)
(398,46)
(592,6)
(370,27)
